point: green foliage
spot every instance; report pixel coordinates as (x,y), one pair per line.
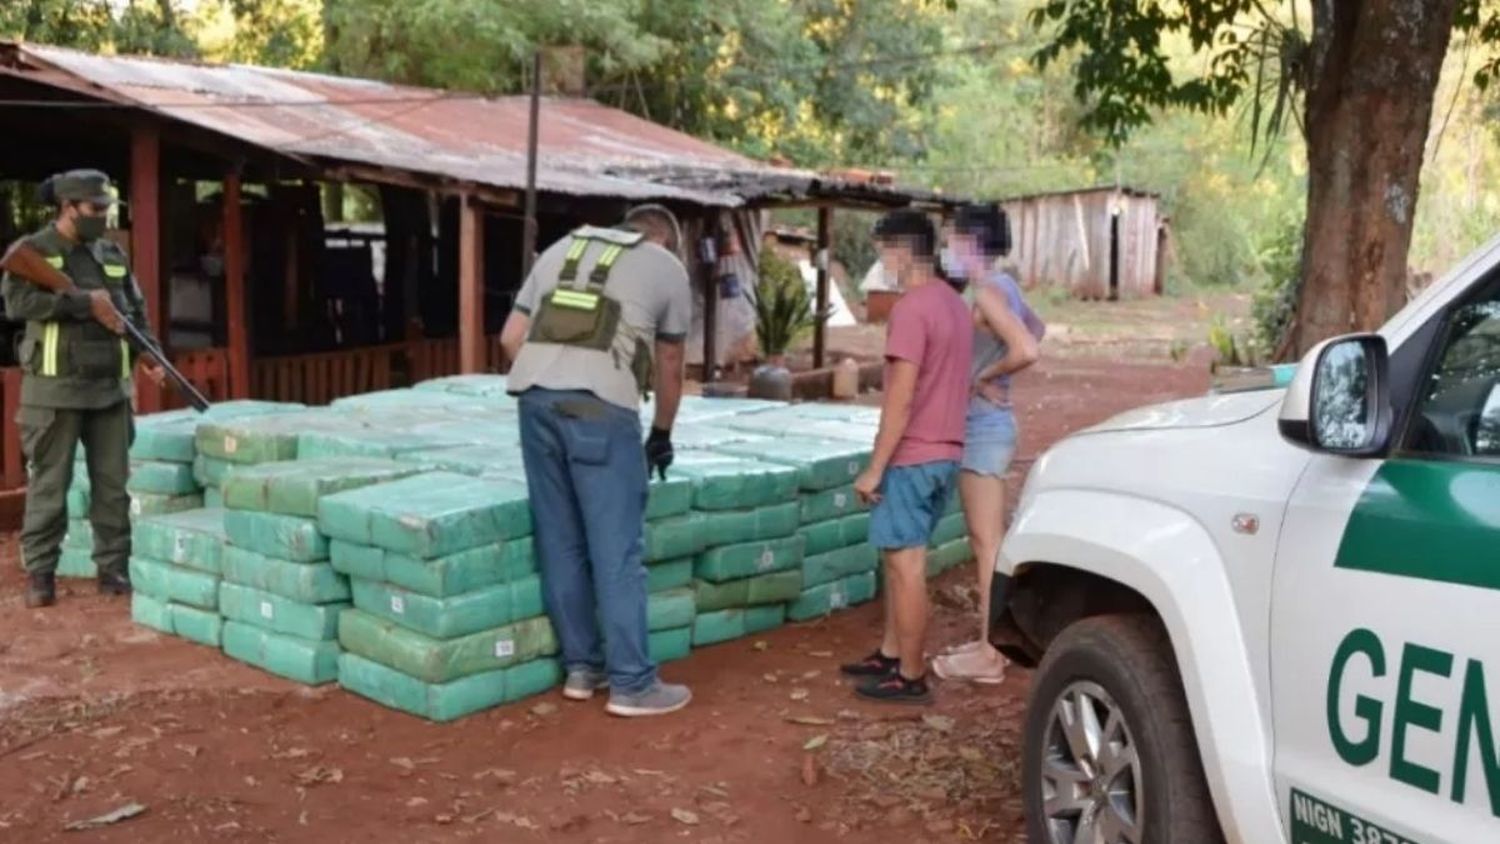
(154,28)
(1226,346)
(1275,302)
(783,311)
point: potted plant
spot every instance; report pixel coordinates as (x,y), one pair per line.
(783,314)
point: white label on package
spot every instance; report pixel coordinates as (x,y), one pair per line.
(179,548)
(853,468)
(836,599)
(767,559)
(231,445)
(840,500)
(505,648)
(267,610)
(398,604)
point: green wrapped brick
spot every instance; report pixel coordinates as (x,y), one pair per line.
(671,574)
(855,529)
(192,538)
(306,583)
(722,482)
(469,385)
(455,574)
(830,504)
(213,499)
(170,441)
(259,439)
(955,503)
(175,583)
(80,535)
(151,612)
(761,619)
(728,527)
(429,515)
(440,618)
(76,562)
(747,559)
(205,627)
(301,660)
(949,528)
(671,497)
(836,565)
(751,591)
(285,537)
(707,436)
(947,556)
(669,645)
(670,609)
(279,614)
(778,422)
(161,478)
(445,660)
(293,488)
(821,537)
(724,625)
(820,464)
(209,472)
(472,460)
(825,598)
(445,701)
(375,443)
(151,504)
(669,539)
(77,500)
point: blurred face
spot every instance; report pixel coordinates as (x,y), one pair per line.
(85,220)
(965,249)
(896,258)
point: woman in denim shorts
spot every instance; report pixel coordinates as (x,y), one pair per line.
(1006,332)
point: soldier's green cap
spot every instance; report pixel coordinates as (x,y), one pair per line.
(83,186)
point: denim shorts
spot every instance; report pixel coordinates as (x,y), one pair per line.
(912,501)
(989,439)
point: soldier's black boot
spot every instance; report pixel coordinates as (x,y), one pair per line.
(41,590)
(114,583)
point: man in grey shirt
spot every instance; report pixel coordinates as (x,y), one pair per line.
(601,320)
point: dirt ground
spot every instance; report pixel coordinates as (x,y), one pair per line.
(97,714)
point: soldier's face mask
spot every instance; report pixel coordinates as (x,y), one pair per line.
(88,221)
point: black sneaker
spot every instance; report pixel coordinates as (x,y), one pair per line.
(876,664)
(114,583)
(896,689)
(41,590)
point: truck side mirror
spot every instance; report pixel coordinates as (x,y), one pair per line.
(1339,402)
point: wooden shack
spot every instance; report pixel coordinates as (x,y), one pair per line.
(1099,244)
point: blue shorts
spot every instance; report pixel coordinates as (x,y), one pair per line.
(989,439)
(912,501)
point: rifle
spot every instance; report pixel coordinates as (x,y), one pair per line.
(25,262)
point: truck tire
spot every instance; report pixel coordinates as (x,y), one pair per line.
(1110,755)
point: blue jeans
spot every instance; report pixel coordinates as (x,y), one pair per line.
(586,473)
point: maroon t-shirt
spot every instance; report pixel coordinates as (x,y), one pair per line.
(930,326)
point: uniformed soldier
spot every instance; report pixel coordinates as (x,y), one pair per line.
(601,321)
(76,383)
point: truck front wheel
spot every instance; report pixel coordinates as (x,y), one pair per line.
(1110,756)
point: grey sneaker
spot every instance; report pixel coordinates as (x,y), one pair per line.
(656,700)
(583,682)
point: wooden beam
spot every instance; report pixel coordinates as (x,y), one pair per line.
(146,215)
(235,291)
(821,261)
(710,275)
(471,357)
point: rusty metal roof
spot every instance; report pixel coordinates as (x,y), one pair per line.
(331,120)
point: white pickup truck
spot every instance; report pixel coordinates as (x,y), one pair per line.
(1274,616)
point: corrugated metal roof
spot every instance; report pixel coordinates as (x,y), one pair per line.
(586,148)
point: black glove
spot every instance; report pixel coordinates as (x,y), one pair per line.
(658,452)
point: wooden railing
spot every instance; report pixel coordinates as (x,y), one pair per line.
(208,369)
(12,462)
(321,378)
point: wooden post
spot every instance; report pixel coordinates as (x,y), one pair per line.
(235,298)
(145,246)
(821,261)
(710,308)
(528,234)
(471,356)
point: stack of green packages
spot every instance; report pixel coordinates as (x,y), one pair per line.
(448,616)
(750,564)
(950,542)
(674,534)
(176,563)
(281,597)
(260,432)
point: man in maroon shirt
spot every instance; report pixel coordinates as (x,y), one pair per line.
(914,470)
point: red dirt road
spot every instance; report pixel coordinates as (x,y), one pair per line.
(96,713)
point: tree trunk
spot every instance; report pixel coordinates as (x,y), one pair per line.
(1372,75)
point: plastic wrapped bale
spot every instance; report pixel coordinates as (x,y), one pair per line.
(672,538)
(831,535)
(442,577)
(830,504)
(80,535)
(210,472)
(711,437)
(671,497)
(445,701)
(723,625)
(376,442)
(180,585)
(949,528)
(302,660)
(821,464)
(669,645)
(472,460)
(775,423)
(213,499)
(470,385)
(278,614)
(76,562)
(150,504)
(428,515)
(191,538)
(728,527)
(721,482)
(777,588)
(205,627)
(285,537)
(838,564)
(670,574)
(671,609)
(169,440)
(305,583)
(826,598)
(151,612)
(293,488)
(261,439)
(160,478)
(732,562)
(434,660)
(947,556)
(448,618)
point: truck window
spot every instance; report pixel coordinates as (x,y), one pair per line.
(1459,410)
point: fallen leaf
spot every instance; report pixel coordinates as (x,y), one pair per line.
(647,772)
(816,742)
(799,694)
(761,645)
(319,774)
(252,782)
(443,819)
(477,816)
(809,720)
(848,715)
(685,817)
(808,675)
(119,771)
(415,802)
(598,777)
(969,754)
(80,785)
(635,818)
(404,762)
(500,775)
(519,821)
(227,827)
(124,813)
(302,818)
(941,723)
(821,654)
(293,753)
(770,678)
(715,791)
(107,732)
(190,749)
(542,710)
